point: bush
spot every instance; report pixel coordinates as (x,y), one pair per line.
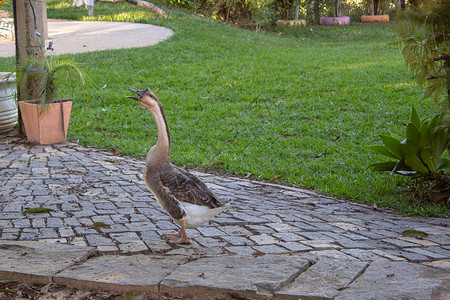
(419,155)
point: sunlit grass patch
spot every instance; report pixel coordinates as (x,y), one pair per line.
(303,104)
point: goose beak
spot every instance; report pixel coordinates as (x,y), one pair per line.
(140,93)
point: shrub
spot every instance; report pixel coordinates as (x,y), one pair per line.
(419,155)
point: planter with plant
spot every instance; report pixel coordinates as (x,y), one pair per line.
(336,19)
(45,117)
(375,10)
(289,13)
(8,106)
(425,34)
(420,155)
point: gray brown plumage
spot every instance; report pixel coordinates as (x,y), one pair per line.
(185,197)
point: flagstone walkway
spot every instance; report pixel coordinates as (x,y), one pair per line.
(104,231)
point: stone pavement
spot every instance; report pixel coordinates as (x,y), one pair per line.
(275,242)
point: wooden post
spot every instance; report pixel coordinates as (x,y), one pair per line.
(316,12)
(30,37)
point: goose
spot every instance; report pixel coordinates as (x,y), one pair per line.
(188,201)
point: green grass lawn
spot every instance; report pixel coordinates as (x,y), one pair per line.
(302,103)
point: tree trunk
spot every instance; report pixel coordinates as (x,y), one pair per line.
(30,24)
(371,8)
(308,8)
(402,4)
(150,6)
(316,12)
(297,8)
(338,8)
(143,3)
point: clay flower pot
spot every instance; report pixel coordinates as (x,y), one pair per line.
(8,105)
(331,21)
(48,127)
(45,117)
(375,18)
(291,23)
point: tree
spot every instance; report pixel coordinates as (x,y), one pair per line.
(30,23)
(426,39)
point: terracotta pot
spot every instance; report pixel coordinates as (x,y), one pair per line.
(335,20)
(375,18)
(46,128)
(291,23)
(8,105)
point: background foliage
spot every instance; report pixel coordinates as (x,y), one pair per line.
(298,103)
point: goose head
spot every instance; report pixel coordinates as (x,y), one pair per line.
(146,98)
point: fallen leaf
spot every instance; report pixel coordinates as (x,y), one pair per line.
(325,154)
(136,295)
(415,233)
(89,193)
(287,134)
(275,178)
(100,224)
(37,210)
(7,291)
(45,288)
(214,163)
(114,151)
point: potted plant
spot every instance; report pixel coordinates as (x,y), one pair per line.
(285,8)
(45,117)
(375,9)
(337,19)
(8,106)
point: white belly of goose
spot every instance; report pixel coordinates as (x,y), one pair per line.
(197,215)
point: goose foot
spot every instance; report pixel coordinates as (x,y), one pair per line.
(178,237)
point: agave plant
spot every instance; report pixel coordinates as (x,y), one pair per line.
(36,78)
(419,155)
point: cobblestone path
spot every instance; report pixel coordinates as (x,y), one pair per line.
(99,200)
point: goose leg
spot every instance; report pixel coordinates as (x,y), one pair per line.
(179,237)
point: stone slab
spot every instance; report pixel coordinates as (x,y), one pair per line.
(399,280)
(32,261)
(242,276)
(122,273)
(323,280)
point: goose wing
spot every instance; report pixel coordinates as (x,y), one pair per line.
(186,187)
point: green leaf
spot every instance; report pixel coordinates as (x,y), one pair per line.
(393,145)
(100,224)
(415,233)
(414,162)
(425,156)
(425,136)
(383,150)
(409,147)
(413,133)
(443,164)
(437,145)
(37,210)
(434,122)
(414,118)
(388,166)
